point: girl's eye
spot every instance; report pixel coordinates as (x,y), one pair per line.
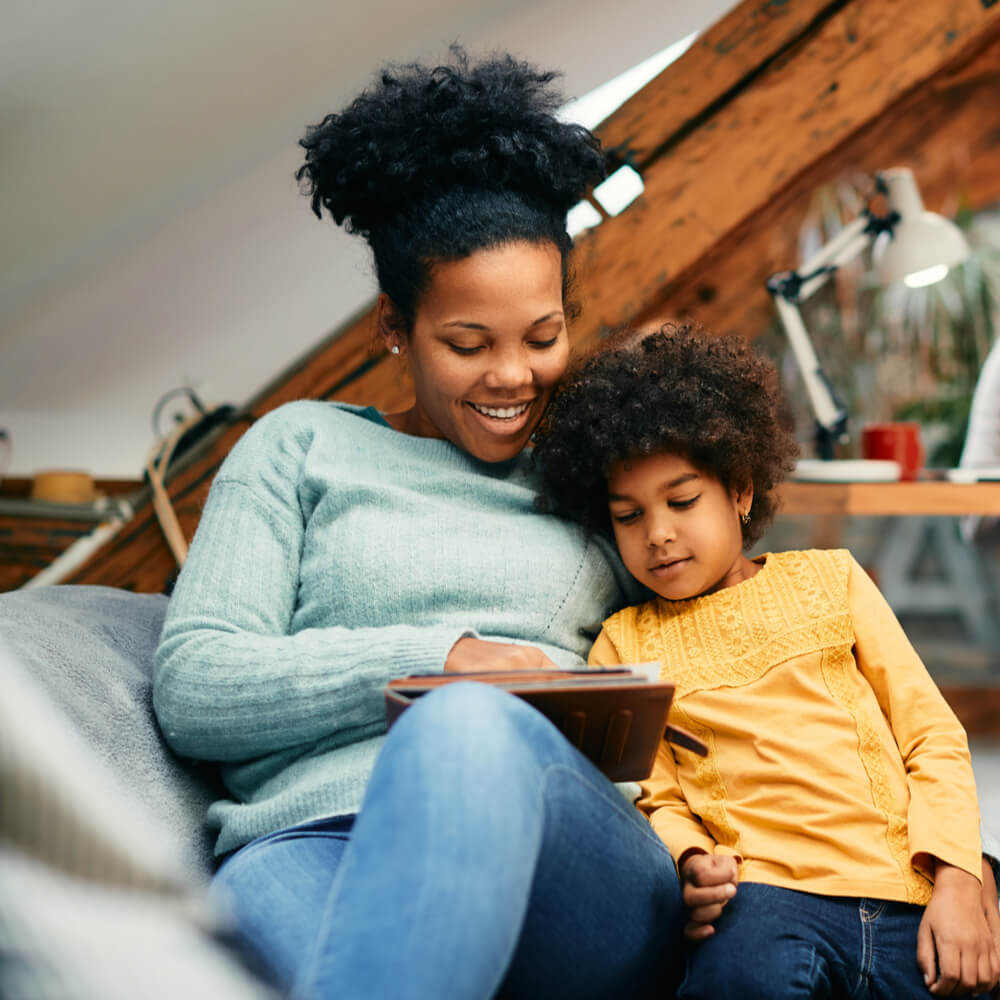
(465,351)
(541,345)
(684,504)
(626,518)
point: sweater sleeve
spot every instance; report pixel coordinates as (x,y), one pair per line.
(943,813)
(230,681)
(662,798)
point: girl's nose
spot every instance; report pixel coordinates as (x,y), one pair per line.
(661,530)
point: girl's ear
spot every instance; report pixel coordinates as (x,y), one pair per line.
(744,500)
(390,325)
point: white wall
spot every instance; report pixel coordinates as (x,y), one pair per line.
(153,234)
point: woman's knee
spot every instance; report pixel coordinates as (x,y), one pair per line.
(475,719)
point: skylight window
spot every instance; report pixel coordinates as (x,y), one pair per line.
(619,190)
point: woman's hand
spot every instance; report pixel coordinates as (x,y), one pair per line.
(469,655)
(955,949)
(709,882)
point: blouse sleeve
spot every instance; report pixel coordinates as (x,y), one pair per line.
(230,682)
(943,814)
(662,798)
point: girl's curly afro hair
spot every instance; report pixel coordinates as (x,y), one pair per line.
(711,399)
(433,163)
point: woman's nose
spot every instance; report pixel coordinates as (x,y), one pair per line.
(508,370)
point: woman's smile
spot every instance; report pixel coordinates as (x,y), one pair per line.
(508,412)
(502,421)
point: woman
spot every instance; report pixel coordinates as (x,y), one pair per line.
(341,547)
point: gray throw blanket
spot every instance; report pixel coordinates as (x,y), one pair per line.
(103,855)
(91,650)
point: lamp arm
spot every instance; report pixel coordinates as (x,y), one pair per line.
(830,413)
(789,288)
(852,240)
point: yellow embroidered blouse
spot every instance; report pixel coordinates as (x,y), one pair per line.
(835,766)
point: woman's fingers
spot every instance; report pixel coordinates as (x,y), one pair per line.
(470,655)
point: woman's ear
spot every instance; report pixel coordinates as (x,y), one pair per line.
(390,325)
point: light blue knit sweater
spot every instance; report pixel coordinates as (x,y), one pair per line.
(333,554)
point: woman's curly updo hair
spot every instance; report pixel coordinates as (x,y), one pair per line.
(431,164)
(678,390)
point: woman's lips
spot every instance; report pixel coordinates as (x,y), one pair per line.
(508,412)
(505,419)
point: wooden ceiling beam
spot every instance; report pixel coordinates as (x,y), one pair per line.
(948,134)
(854,69)
(722,61)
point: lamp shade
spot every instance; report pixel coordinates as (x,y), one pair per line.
(923,245)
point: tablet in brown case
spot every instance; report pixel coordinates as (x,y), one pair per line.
(616,718)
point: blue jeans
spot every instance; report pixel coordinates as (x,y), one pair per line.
(489,858)
(773,944)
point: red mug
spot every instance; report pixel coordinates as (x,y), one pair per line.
(895,442)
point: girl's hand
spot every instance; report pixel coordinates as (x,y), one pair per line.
(469,655)
(709,882)
(955,950)
(991,909)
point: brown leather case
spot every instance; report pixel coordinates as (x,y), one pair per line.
(614,717)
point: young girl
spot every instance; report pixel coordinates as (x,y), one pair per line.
(829,843)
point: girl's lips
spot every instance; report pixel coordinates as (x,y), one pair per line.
(669,568)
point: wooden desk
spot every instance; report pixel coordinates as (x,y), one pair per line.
(885,499)
(918,525)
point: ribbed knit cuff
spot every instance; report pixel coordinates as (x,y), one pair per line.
(432,656)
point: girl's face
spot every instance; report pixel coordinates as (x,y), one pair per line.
(488,346)
(677,529)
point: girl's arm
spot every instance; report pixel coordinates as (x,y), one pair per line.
(662,798)
(955,949)
(943,812)
(708,879)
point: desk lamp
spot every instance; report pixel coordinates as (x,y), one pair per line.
(908,244)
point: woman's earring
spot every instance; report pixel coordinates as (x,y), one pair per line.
(745,517)
(395,348)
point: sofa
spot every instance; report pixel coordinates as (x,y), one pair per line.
(104,858)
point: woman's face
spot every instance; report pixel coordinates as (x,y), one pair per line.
(487,347)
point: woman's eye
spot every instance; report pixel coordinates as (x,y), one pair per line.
(627,518)
(465,351)
(684,504)
(541,345)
